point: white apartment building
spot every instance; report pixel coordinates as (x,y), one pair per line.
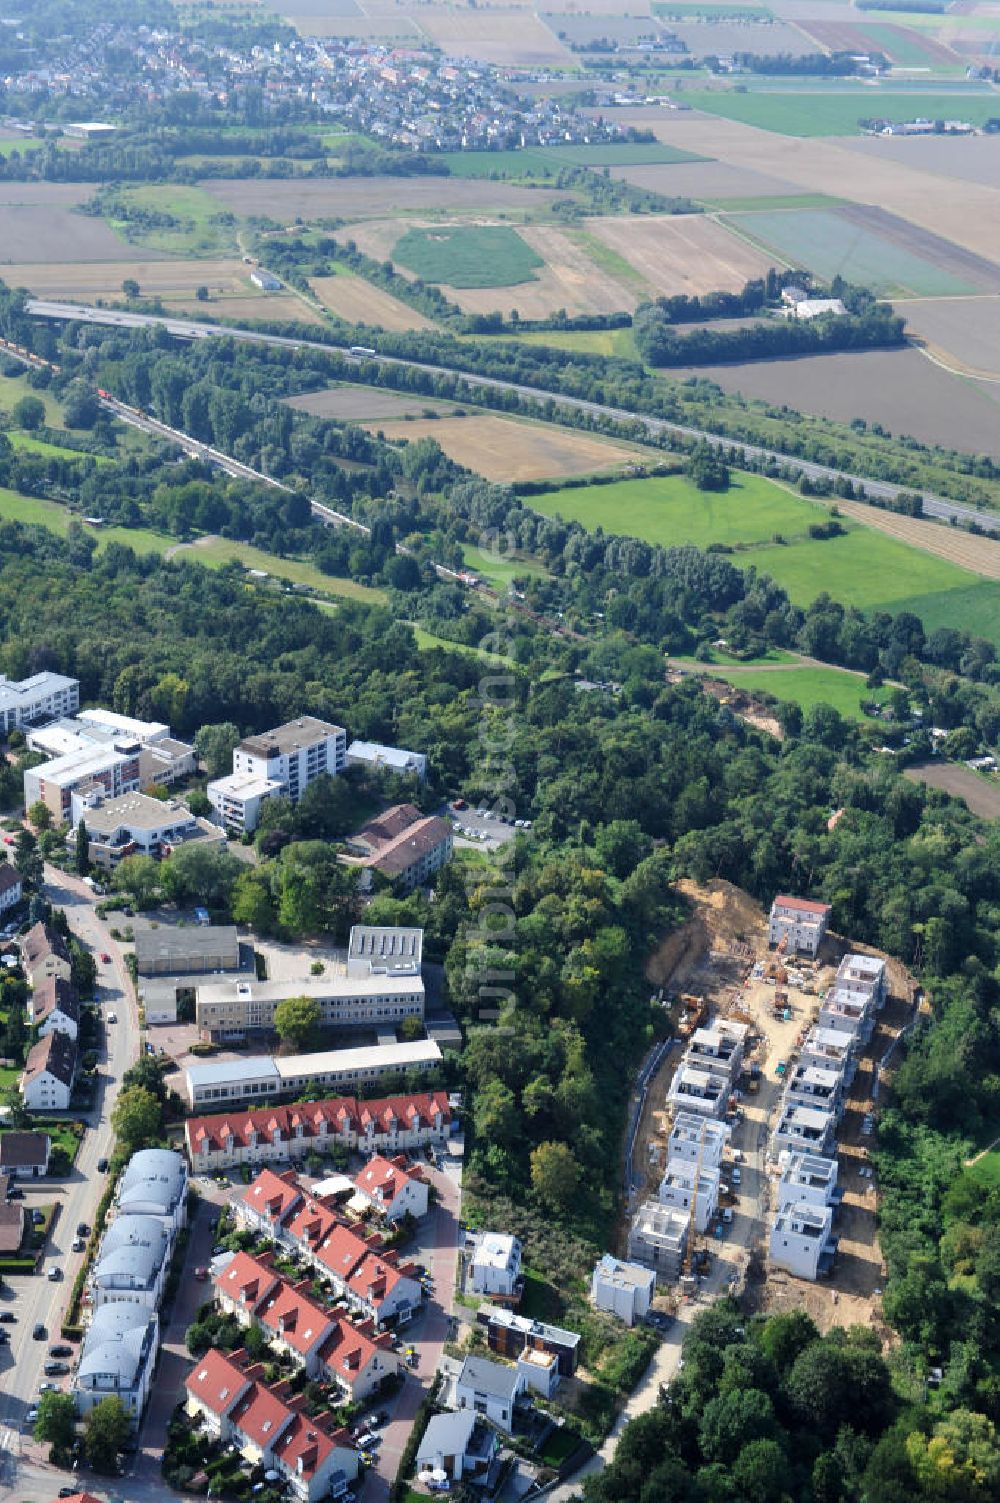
(800,922)
(719,1047)
(230,1009)
(658,1237)
(811,1085)
(695,1088)
(801,1242)
(118,1357)
(279,762)
(490,1390)
(41,697)
(49,1073)
(135,825)
(623,1289)
(805,1129)
(94,766)
(11,887)
(830,1049)
(678,1187)
(496,1265)
(217,1084)
(694,1137)
(808,1179)
(867,972)
(848,1013)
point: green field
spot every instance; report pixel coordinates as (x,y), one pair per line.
(427,642)
(468,256)
(863,568)
(587,341)
(828,244)
(837,114)
(499,571)
(908,51)
(213,553)
(31,445)
(13,388)
(670,510)
(545,161)
(971,607)
(772,201)
(806,686)
(203,227)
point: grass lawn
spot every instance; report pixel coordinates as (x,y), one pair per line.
(987,1171)
(203,228)
(587,341)
(973,607)
(428,642)
(728,660)
(468,256)
(806,686)
(559,1447)
(26,441)
(9,1075)
(670,510)
(863,568)
(837,114)
(499,570)
(13,388)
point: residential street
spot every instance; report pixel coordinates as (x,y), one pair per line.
(35,1298)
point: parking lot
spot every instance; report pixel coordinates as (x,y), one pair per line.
(481,827)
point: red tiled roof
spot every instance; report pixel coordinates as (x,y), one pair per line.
(81,1498)
(216,1382)
(302,1441)
(347,1351)
(272,1195)
(297,1319)
(341,1251)
(247,1280)
(383,1179)
(53,994)
(56,1053)
(260,1415)
(40,942)
(341,1115)
(374,1279)
(804,905)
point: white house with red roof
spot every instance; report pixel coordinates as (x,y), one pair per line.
(357,1358)
(800,922)
(314,1463)
(278,1134)
(389,1188)
(268,1203)
(213,1386)
(382,1291)
(242,1285)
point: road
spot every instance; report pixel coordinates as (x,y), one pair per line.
(182,328)
(35,1298)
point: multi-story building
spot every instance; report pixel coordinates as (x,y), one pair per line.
(44,952)
(280,762)
(490,1390)
(260,1075)
(695,1088)
(459,1445)
(387,759)
(800,922)
(137,825)
(720,1047)
(696,1138)
(118,1357)
(811,1085)
(162,760)
(808,1179)
(623,1289)
(229,1010)
(509,1334)
(392,1190)
(658,1237)
(803,1129)
(40,697)
(11,887)
(380,950)
(403,846)
(155,1183)
(54,1006)
(830,1049)
(678,1188)
(49,1073)
(868,972)
(801,1242)
(281,1133)
(848,1012)
(94,768)
(495,1269)
(132,1262)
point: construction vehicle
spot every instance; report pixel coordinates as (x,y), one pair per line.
(773,969)
(695,1013)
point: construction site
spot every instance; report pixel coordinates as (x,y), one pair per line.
(744,1014)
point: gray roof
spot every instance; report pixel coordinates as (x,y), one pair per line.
(156,1177)
(131,1265)
(227,1071)
(386,948)
(294,736)
(116,1342)
(171,942)
(133,1231)
(489,1377)
(447,1435)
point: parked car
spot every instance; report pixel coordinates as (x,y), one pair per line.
(78,1244)
(201,1274)
(4,1338)
(68,1492)
(16,1193)
(48,1388)
(53,1273)
(82,1229)
(105,958)
(31,1416)
(38,1332)
(61,1350)
(55,1369)
(7,1317)
(102,1166)
(112,1017)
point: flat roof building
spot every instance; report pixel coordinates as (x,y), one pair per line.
(697,1089)
(807,1129)
(380,950)
(388,758)
(54,782)
(231,1009)
(719,1047)
(677,1188)
(42,696)
(623,1289)
(809,1179)
(658,1238)
(173,950)
(136,825)
(260,1075)
(282,762)
(694,1137)
(801,1241)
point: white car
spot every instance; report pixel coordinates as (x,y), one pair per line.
(112,1017)
(53,1273)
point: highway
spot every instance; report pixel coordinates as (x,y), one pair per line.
(35,1299)
(183,328)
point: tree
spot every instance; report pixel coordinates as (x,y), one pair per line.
(28,413)
(40,815)
(201,293)
(147,1074)
(732,1420)
(296,1020)
(760,1472)
(555,1175)
(105,1431)
(960,1463)
(17,1114)
(56,1422)
(82,849)
(137,1118)
(130,287)
(138,876)
(215,744)
(251,902)
(201,873)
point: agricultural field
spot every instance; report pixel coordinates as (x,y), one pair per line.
(352,404)
(706,181)
(359,302)
(831,242)
(617,342)
(837,114)
(863,568)
(972,159)
(508,449)
(37,232)
(545,162)
(687,253)
(973,607)
(170,280)
(964,333)
(670,510)
(982,796)
(709,37)
(500,569)
(493,37)
(369,197)
(980,555)
(902,390)
(805,686)
(464,256)
(195,225)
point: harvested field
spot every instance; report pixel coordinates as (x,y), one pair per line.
(901,389)
(870,247)
(364,403)
(965,213)
(980,794)
(705,180)
(42,233)
(511,39)
(971,159)
(281,307)
(502,449)
(687,253)
(362,197)
(979,555)
(357,301)
(39,195)
(716,38)
(964,332)
(168,279)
